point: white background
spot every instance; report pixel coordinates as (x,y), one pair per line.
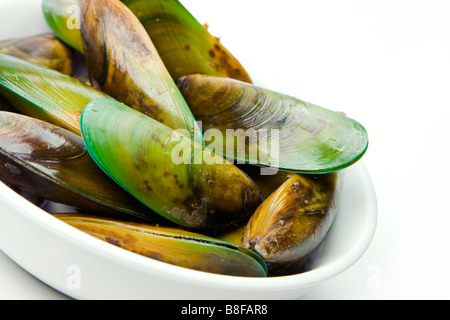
(385,63)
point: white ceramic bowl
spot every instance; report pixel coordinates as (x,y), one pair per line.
(83,267)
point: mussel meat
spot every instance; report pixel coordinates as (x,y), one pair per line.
(44,49)
(52,163)
(257,126)
(123,62)
(170,245)
(172,174)
(294,220)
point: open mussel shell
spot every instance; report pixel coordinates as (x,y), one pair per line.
(174,246)
(52,163)
(184,44)
(44,93)
(44,49)
(294,220)
(257,126)
(172,174)
(123,62)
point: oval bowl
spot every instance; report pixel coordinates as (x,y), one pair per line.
(83,267)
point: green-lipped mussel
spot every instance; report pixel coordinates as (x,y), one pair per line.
(267,181)
(184,44)
(63,18)
(173,246)
(257,126)
(43,93)
(44,49)
(172,174)
(267,184)
(123,62)
(294,220)
(52,163)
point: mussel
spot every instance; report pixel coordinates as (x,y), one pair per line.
(123,62)
(174,246)
(184,44)
(267,184)
(174,175)
(51,163)
(44,49)
(268,181)
(63,18)
(294,220)
(257,126)
(43,93)
(232,235)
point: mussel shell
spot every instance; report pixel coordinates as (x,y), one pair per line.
(43,93)
(63,18)
(294,220)
(30,196)
(52,163)
(44,49)
(283,132)
(232,235)
(267,181)
(172,174)
(184,44)
(173,246)
(124,63)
